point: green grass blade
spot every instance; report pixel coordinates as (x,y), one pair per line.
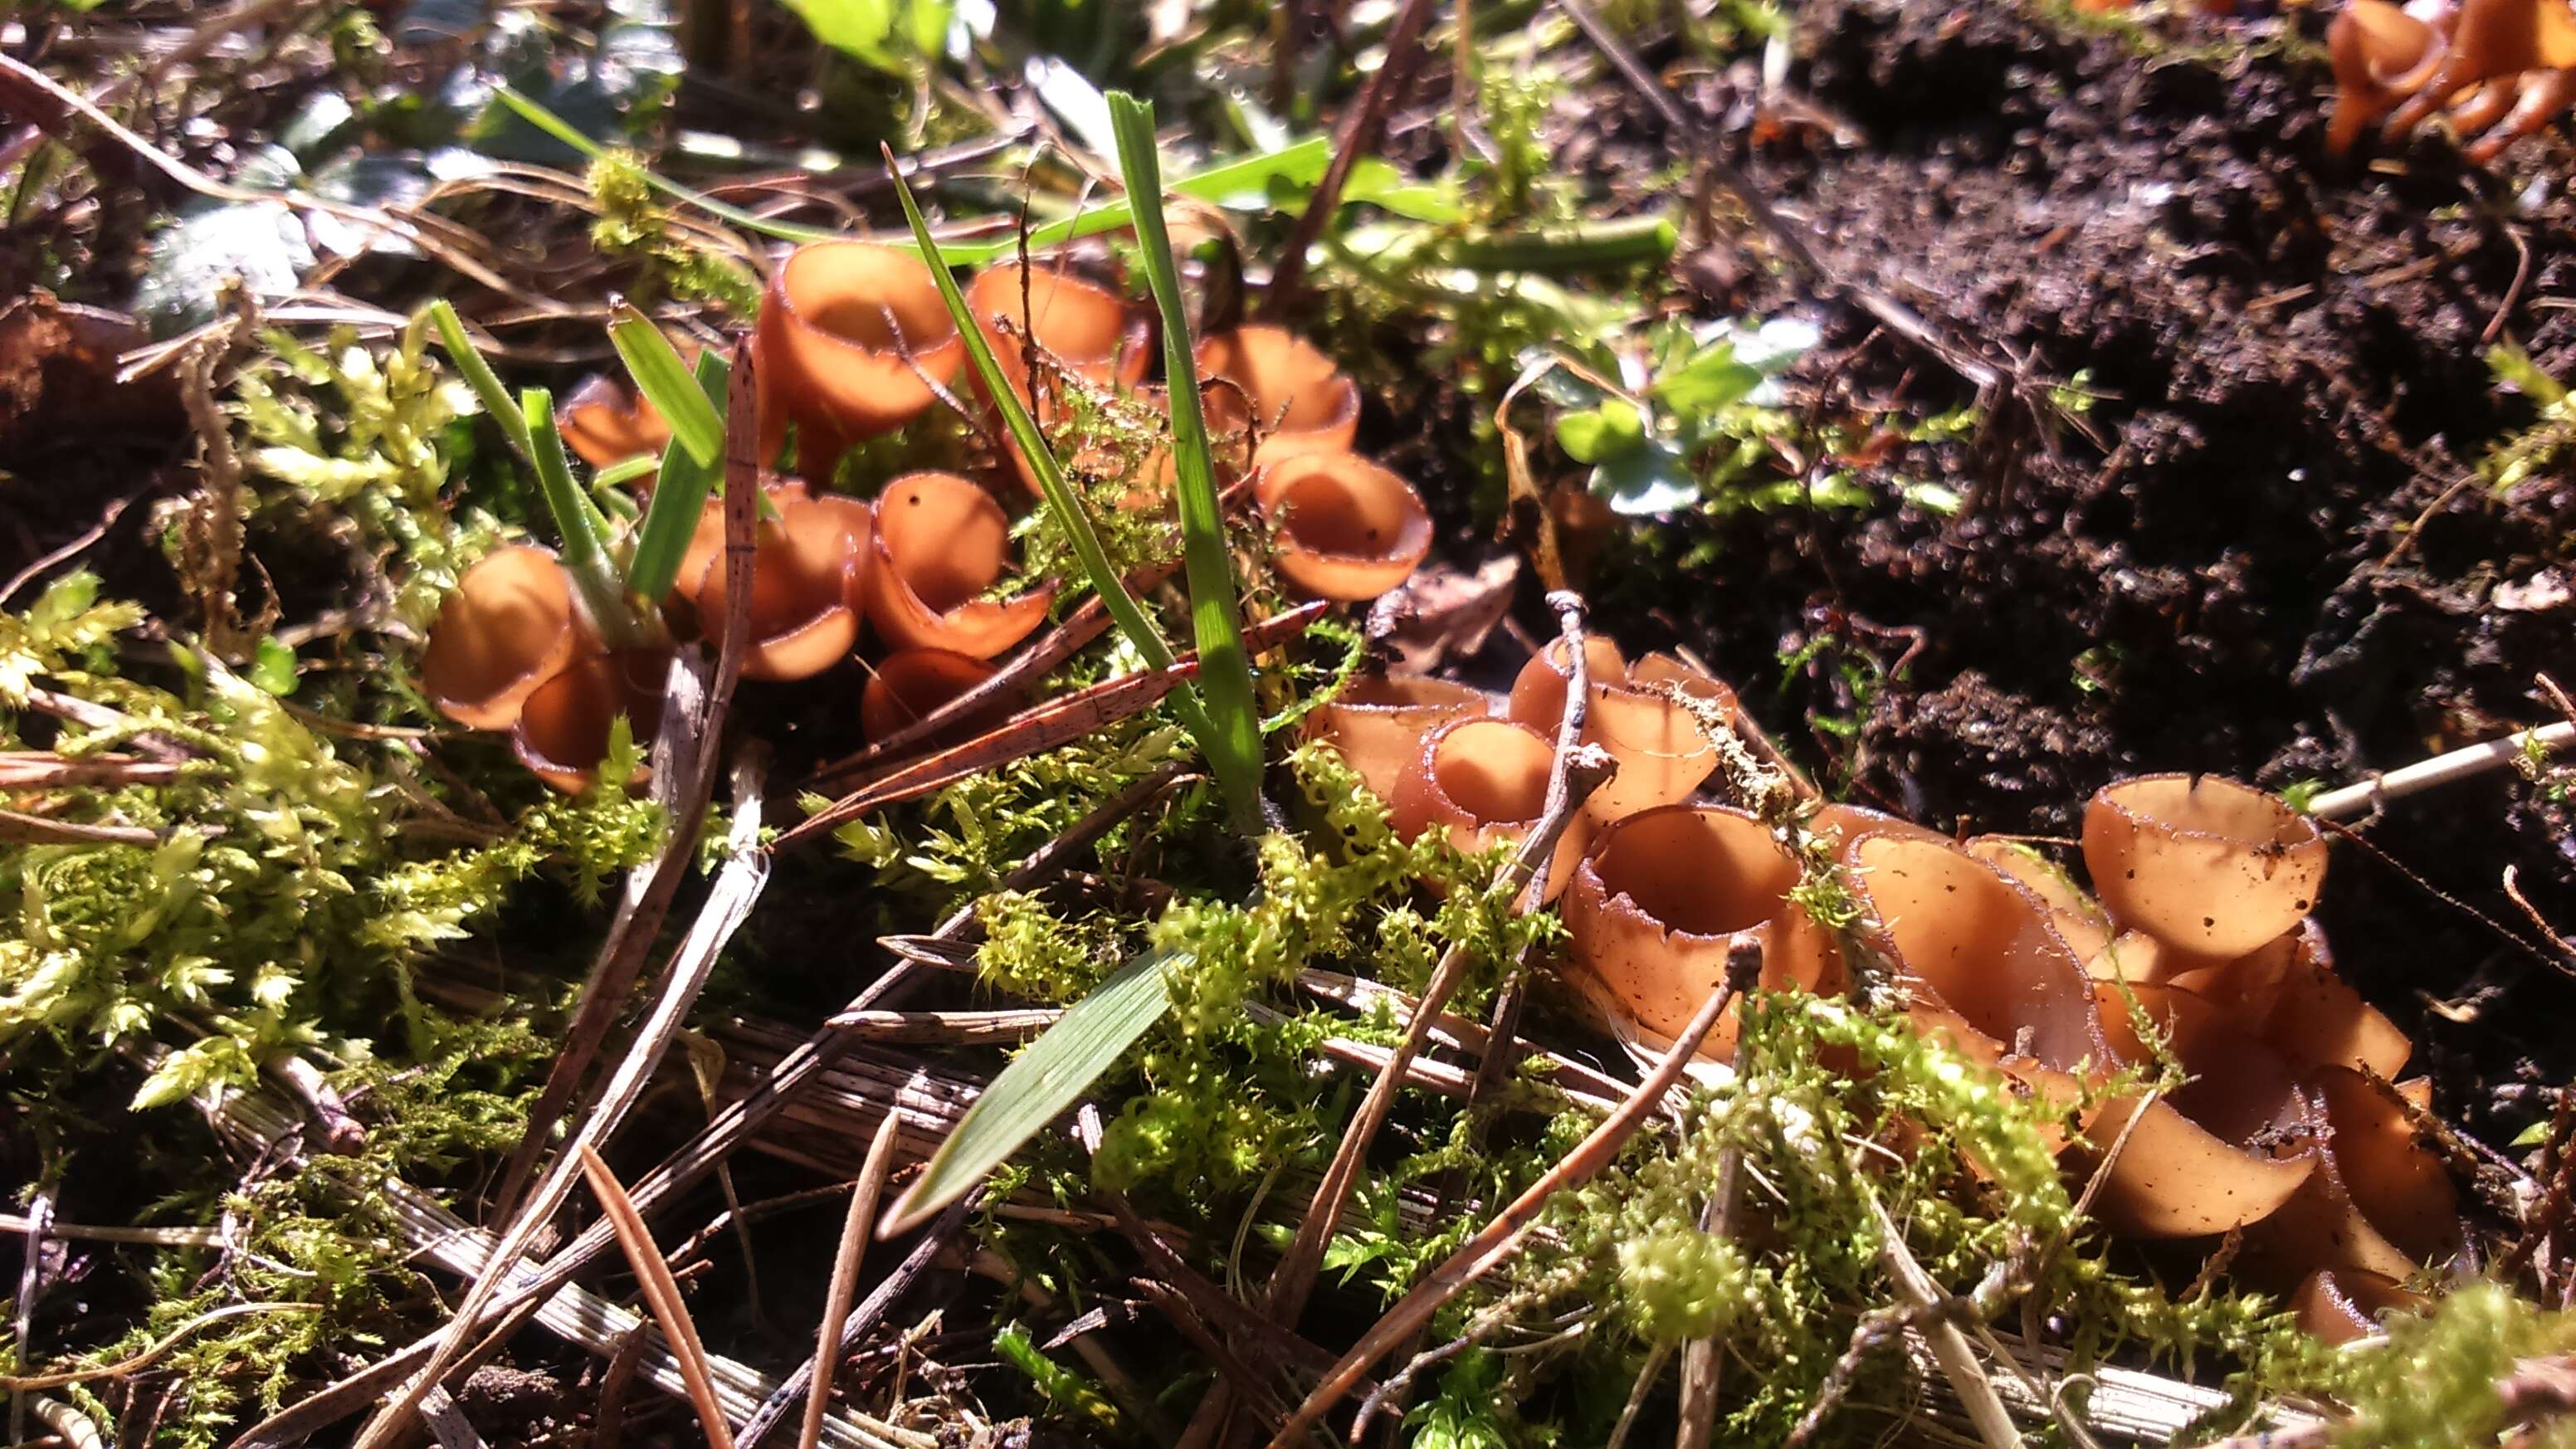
(578,520)
(1216,610)
(664,380)
(680,494)
(1123,609)
(1039,1084)
(478,375)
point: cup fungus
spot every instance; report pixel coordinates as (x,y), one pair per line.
(853,340)
(1661,901)
(1086,330)
(1981,961)
(2379,1201)
(2316,1020)
(1348,529)
(909,683)
(1377,722)
(607,422)
(2502,68)
(2341,1306)
(2226,1148)
(509,627)
(1484,781)
(562,733)
(1301,402)
(940,543)
(810,566)
(2207,866)
(2079,919)
(1663,753)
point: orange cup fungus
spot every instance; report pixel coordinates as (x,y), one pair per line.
(1662,751)
(1086,330)
(2500,68)
(2208,867)
(1300,401)
(562,733)
(1347,529)
(510,626)
(910,683)
(1377,722)
(940,543)
(2380,1202)
(810,566)
(1484,781)
(607,422)
(854,341)
(1662,901)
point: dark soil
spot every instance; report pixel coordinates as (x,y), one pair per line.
(2288,357)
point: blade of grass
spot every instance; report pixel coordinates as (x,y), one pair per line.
(577,518)
(664,379)
(1038,1085)
(679,495)
(478,375)
(1069,512)
(1233,745)
(1300,164)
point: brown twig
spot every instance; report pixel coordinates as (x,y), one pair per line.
(845,1281)
(662,1292)
(1358,137)
(18,829)
(1498,1239)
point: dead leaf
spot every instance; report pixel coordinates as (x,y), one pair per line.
(1444,613)
(2540,593)
(58,376)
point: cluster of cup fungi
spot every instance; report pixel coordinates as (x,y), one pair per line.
(853,343)
(2288,1136)
(2497,70)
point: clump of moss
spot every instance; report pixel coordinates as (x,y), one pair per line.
(632,223)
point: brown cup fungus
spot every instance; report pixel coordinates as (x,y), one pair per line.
(852,337)
(810,565)
(1347,529)
(2079,919)
(2226,1148)
(607,422)
(1484,782)
(1377,722)
(2500,68)
(562,733)
(1983,966)
(1084,329)
(1661,902)
(940,543)
(2343,1305)
(509,627)
(1663,753)
(2207,866)
(2380,1201)
(1299,400)
(910,683)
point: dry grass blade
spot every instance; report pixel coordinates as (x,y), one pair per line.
(662,1291)
(45,770)
(845,1281)
(17,829)
(1033,731)
(1498,1239)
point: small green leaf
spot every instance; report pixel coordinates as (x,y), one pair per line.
(1712,380)
(1039,1084)
(2534,1135)
(1597,435)
(272,668)
(664,379)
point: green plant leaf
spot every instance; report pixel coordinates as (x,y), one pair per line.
(664,379)
(1597,435)
(679,494)
(1216,609)
(1712,380)
(1039,1084)
(585,532)
(478,375)
(272,668)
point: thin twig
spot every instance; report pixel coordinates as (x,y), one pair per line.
(845,1280)
(1498,1239)
(2461,764)
(662,1292)
(1358,137)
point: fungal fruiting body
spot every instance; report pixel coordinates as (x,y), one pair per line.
(2498,69)
(1348,529)
(1083,329)
(607,422)
(1662,901)
(1300,401)
(854,341)
(509,627)
(1377,722)
(810,564)
(2208,867)
(1484,782)
(562,734)
(909,684)
(941,542)
(1633,713)
(2379,1203)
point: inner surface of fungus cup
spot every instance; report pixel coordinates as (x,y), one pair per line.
(1300,400)
(1662,751)
(562,734)
(910,683)
(1377,722)
(1348,529)
(1088,330)
(1661,902)
(2207,866)
(809,571)
(1484,781)
(852,337)
(1983,966)
(2226,1148)
(940,543)
(607,422)
(2380,1201)
(509,627)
